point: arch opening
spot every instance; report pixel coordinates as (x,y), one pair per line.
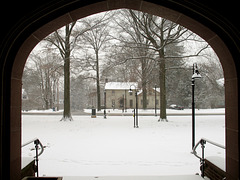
(226,59)
(125,147)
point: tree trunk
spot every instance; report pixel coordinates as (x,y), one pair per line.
(162,77)
(98,84)
(57,95)
(67,110)
(144,83)
(46,103)
(144,97)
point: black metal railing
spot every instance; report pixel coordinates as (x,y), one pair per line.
(203,141)
(37,143)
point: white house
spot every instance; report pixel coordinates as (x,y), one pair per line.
(119,97)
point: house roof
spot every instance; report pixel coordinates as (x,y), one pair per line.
(157,90)
(120,85)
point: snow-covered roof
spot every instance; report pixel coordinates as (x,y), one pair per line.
(120,85)
(157,89)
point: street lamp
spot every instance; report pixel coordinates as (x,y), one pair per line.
(136,113)
(196,75)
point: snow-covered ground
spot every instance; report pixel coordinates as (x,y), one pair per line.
(130,111)
(107,147)
(43,111)
(169,111)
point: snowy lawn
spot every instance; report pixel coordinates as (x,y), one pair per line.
(169,111)
(107,147)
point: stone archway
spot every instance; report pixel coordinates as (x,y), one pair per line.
(71,14)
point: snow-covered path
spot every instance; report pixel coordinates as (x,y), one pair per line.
(102,147)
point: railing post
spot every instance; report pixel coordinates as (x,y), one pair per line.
(202,163)
(36,142)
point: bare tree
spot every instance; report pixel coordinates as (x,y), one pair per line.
(95,40)
(31,85)
(48,68)
(137,48)
(161,33)
(65,40)
(62,41)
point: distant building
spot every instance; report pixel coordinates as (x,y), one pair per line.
(150,98)
(119,97)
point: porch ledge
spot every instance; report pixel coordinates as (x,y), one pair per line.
(174,177)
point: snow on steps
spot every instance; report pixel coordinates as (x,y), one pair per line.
(175,177)
(217,161)
(215,168)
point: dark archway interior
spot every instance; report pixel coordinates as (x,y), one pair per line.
(33,26)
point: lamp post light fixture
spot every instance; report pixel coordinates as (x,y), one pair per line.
(136,111)
(196,75)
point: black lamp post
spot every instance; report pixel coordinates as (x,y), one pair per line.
(136,112)
(196,75)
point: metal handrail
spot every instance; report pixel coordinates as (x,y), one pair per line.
(205,140)
(202,160)
(37,142)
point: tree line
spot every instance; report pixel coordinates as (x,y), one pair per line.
(121,45)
